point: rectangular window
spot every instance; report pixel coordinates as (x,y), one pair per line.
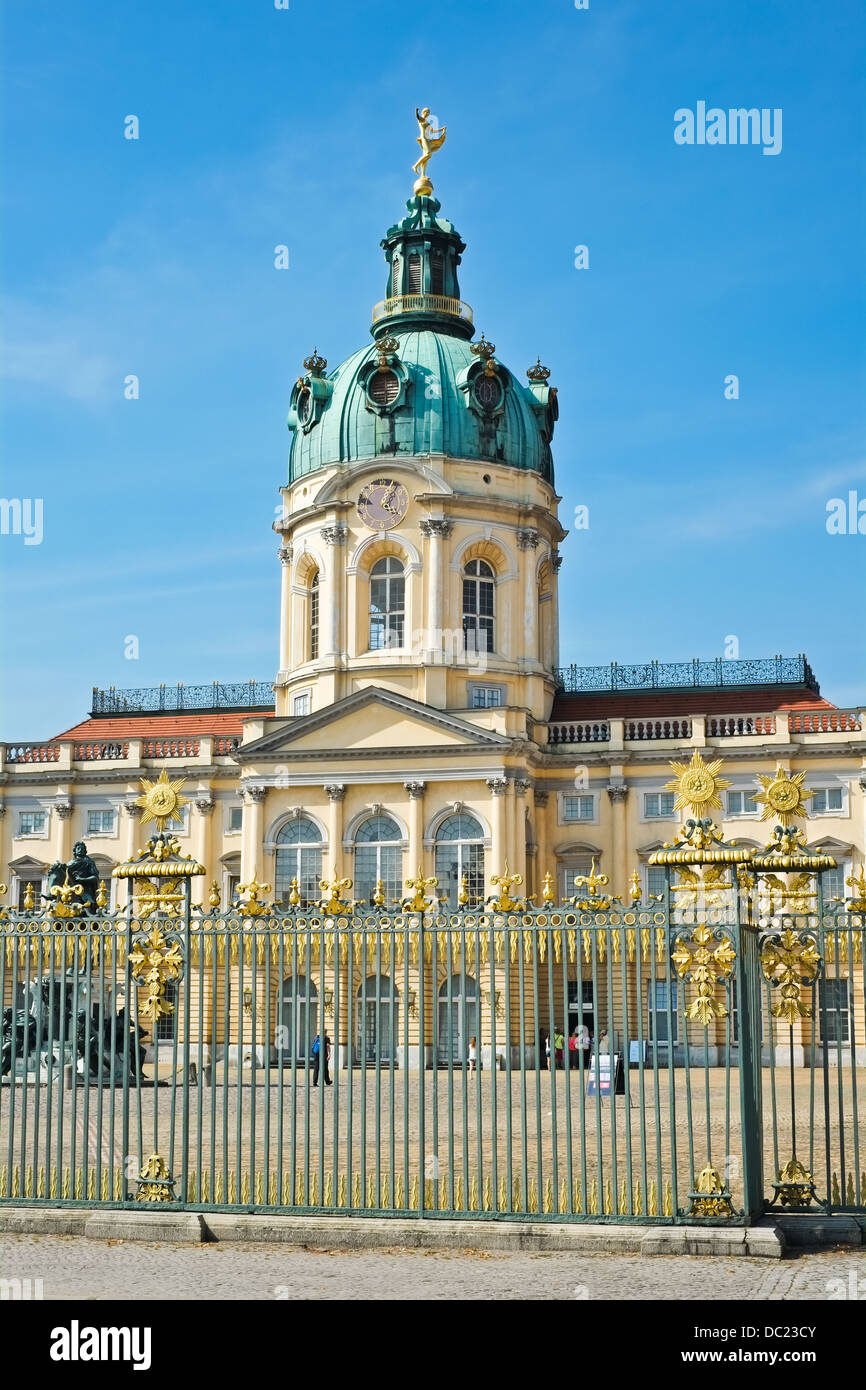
(32,822)
(236,818)
(178,824)
(655,880)
(100,822)
(834,1003)
(825,800)
(578,807)
(658,805)
(833,884)
(301,704)
(661,993)
(741,804)
(485,696)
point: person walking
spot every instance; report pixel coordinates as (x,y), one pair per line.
(473,1054)
(321,1053)
(558,1047)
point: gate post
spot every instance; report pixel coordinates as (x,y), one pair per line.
(751,1099)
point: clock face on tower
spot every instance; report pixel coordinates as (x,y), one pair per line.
(383,504)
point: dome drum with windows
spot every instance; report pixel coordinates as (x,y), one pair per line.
(421,387)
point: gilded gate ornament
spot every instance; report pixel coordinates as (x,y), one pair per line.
(783,796)
(333,902)
(154,962)
(790,962)
(160,801)
(697,784)
(699,960)
(155,1182)
(417,887)
(252,906)
(710,1197)
(505,882)
(796,1187)
(594,900)
(858,883)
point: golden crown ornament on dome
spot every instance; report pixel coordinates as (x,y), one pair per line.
(482,348)
(315,364)
(538,373)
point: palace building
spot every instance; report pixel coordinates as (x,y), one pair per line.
(420,716)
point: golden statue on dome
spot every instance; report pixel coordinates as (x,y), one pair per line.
(430,141)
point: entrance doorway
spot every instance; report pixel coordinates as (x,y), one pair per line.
(458,1018)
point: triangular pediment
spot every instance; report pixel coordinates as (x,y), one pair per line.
(374,719)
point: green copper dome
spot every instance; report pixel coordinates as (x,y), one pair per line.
(421,387)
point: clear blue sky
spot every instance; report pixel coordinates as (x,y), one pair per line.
(259,127)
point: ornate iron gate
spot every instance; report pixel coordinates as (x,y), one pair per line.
(164,1052)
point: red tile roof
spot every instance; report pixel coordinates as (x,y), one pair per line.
(177,725)
(636,704)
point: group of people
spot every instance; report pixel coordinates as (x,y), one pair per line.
(580,1042)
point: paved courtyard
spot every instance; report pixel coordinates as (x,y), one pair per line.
(72,1267)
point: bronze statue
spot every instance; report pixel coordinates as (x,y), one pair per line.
(83,872)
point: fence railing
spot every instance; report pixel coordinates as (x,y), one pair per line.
(169,1054)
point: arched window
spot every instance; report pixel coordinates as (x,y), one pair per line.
(459,855)
(299,855)
(378,857)
(314,616)
(478,585)
(458,1018)
(297,1017)
(387,604)
(378,1019)
(414,285)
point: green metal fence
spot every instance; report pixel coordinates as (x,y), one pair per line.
(700,1057)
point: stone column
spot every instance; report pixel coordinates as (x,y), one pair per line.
(498,787)
(63,807)
(252,832)
(527,539)
(415,792)
(554,627)
(518,808)
(437,529)
(286,553)
(619,870)
(332,598)
(133,816)
(334,857)
(201,845)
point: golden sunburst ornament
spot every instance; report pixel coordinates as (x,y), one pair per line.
(160,801)
(697,784)
(782,796)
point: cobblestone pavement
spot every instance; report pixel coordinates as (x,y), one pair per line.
(72,1267)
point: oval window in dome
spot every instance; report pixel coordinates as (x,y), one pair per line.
(383,388)
(488,392)
(305,406)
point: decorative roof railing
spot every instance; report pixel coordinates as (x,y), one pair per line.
(718,674)
(422,304)
(241,695)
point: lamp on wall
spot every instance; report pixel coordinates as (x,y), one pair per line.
(494,999)
(328,1000)
(412,1001)
(248,1001)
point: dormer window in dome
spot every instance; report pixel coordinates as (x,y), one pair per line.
(384,378)
(488,391)
(383,388)
(310,395)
